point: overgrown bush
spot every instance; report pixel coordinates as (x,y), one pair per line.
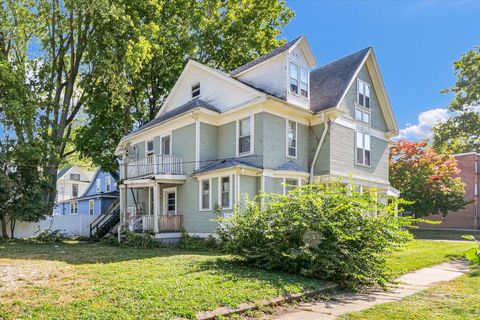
(323,231)
(51,236)
(136,240)
(194,243)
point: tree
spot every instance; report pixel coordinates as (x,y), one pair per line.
(460,133)
(426,178)
(138,63)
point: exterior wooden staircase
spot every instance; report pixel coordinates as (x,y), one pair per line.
(108,219)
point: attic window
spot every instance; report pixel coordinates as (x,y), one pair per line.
(298,75)
(363,94)
(196,90)
(75,176)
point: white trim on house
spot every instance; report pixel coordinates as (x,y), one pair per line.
(252,137)
(72,205)
(220,200)
(299,183)
(91,207)
(287,154)
(200,194)
(165,204)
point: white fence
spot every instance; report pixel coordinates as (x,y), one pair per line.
(76,225)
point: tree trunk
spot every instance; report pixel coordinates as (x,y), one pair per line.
(12,228)
(3,224)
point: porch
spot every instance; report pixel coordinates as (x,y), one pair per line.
(151,165)
(151,205)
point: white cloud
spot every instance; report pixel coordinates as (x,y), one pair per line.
(426,120)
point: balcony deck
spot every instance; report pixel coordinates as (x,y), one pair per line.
(151,165)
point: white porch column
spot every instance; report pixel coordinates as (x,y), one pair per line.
(156,206)
(123,202)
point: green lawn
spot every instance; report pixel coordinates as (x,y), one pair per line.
(442,234)
(453,300)
(92,281)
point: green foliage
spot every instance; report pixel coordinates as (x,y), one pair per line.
(460,133)
(426,179)
(194,243)
(325,231)
(51,236)
(139,240)
(473,255)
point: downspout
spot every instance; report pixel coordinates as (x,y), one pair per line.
(320,143)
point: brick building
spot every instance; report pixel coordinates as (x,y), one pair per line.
(469,164)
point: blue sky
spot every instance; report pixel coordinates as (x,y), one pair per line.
(416,43)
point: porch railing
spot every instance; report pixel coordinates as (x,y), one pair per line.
(151,165)
(166,223)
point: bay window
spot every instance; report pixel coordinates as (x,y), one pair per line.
(225,192)
(205,194)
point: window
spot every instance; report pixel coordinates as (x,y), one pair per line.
(98,185)
(166,145)
(476,189)
(363,94)
(74,190)
(149,147)
(291,139)
(75,176)
(298,73)
(289,184)
(363,148)
(293,78)
(225,192)
(73,207)
(245,140)
(91,207)
(170,200)
(195,90)
(108,184)
(205,194)
(362,115)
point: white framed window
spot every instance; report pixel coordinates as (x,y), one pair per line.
(363,97)
(289,184)
(74,190)
(205,193)
(362,152)
(362,115)
(170,201)
(166,145)
(91,207)
(75,176)
(149,147)
(196,90)
(108,184)
(98,185)
(292,127)
(73,207)
(225,192)
(298,80)
(245,136)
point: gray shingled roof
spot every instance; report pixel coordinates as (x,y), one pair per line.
(291,166)
(329,82)
(190,105)
(265,57)
(63,171)
(226,163)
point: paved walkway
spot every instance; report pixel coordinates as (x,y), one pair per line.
(343,302)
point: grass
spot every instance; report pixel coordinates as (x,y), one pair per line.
(92,281)
(453,300)
(443,234)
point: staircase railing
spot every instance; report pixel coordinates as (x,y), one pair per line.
(104,217)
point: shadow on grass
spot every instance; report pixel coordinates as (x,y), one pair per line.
(86,252)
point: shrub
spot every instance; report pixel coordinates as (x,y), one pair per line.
(51,236)
(194,243)
(139,241)
(322,231)
(473,255)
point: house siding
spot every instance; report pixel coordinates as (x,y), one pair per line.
(183,145)
(322,164)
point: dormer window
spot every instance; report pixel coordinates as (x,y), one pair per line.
(196,90)
(298,78)
(363,94)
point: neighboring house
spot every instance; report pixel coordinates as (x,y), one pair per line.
(469,165)
(266,126)
(72,182)
(96,198)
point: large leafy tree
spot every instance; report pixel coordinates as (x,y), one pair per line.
(461,132)
(426,179)
(138,63)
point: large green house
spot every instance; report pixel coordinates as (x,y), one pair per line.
(267,126)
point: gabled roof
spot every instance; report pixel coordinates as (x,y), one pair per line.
(226,163)
(62,172)
(190,105)
(329,82)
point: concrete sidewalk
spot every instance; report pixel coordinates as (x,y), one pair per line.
(343,302)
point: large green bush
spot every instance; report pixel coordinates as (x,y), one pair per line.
(322,231)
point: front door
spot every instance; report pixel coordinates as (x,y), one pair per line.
(170,201)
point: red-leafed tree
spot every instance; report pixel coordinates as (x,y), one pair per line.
(426,178)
